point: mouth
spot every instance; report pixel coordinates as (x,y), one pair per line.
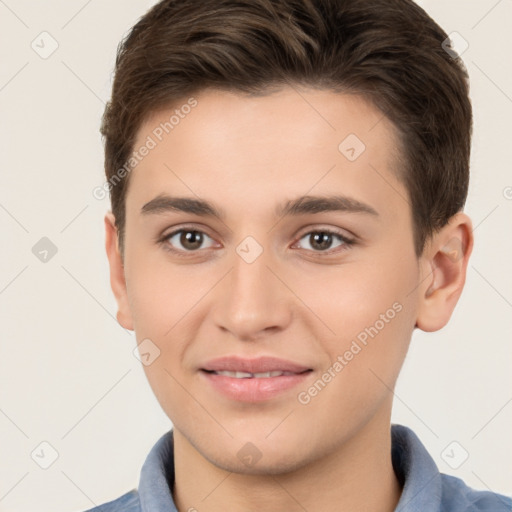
(257,375)
(245,367)
(253,380)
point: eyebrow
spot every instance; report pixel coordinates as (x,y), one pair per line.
(302,205)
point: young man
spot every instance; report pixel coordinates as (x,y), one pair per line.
(287,181)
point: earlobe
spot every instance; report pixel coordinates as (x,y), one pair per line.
(445,261)
(117,274)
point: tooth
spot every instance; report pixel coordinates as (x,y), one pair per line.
(262,374)
(237,375)
(243,375)
(247,375)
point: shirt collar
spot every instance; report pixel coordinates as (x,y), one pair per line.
(416,471)
(414,467)
(157,477)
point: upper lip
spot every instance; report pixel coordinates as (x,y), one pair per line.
(257,365)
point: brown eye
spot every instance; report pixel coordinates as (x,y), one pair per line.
(189,239)
(322,240)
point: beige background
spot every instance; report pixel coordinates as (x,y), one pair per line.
(68,374)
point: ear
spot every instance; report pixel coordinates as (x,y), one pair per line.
(117,276)
(444,262)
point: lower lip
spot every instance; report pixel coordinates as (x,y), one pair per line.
(254,389)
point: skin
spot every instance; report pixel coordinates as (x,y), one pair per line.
(246,156)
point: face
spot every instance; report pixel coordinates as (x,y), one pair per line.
(319,291)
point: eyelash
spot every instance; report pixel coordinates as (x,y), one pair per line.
(347,242)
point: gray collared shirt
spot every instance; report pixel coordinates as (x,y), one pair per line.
(425,489)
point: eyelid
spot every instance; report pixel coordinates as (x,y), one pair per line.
(343,233)
(184,227)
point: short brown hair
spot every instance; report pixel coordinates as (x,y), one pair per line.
(390,51)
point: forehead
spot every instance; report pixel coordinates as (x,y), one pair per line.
(313,115)
(248,148)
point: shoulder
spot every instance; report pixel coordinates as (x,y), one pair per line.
(425,489)
(459,497)
(128,502)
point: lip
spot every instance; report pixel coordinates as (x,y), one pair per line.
(257,365)
(253,389)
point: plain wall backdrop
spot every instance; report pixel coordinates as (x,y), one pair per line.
(68,373)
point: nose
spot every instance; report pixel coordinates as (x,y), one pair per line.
(253,301)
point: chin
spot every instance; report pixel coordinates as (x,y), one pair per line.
(263,464)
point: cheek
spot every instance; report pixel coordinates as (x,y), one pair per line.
(166,306)
(349,298)
(161,303)
(160,293)
(371,313)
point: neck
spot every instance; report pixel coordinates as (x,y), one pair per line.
(355,476)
